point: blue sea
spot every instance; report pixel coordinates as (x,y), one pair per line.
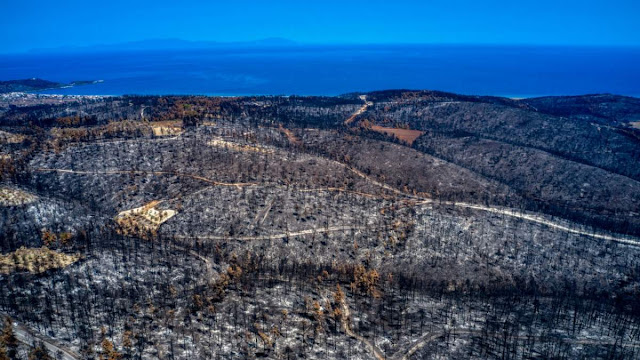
(513,71)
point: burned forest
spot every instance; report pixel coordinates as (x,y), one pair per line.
(393,224)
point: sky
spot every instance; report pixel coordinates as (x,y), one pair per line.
(29,24)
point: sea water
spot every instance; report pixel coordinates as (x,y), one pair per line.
(513,71)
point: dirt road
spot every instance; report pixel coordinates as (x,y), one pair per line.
(540,220)
(30,338)
(144,172)
(361,110)
(281,235)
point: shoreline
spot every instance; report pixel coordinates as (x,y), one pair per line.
(510,97)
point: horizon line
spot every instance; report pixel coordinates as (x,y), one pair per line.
(286,43)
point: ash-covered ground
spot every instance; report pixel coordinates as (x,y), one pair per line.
(301,227)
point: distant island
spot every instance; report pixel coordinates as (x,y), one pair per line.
(168,44)
(35,84)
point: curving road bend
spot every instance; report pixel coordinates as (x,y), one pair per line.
(29,337)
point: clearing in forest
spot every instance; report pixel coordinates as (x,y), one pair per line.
(143,220)
(218,142)
(35,260)
(14,197)
(167,128)
(406,135)
(290,135)
(10,138)
(635,124)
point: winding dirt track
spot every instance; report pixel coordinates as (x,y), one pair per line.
(346,326)
(125,141)
(362,109)
(420,201)
(431,336)
(380,184)
(426,339)
(278,236)
(238,185)
(497,210)
(195,254)
(144,172)
(540,220)
(30,338)
(343,190)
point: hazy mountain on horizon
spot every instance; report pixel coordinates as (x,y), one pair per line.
(165,44)
(271,42)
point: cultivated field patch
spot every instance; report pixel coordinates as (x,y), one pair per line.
(35,260)
(167,128)
(114,129)
(219,142)
(10,138)
(406,135)
(143,220)
(290,135)
(13,197)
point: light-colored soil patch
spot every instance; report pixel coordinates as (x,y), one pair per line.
(238,147)
(361,110)
(143,220)
(35,260)
(635,124)
(405,135)
(290,135)
(10,138)
(167,128)
(13,197)
(114,129)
